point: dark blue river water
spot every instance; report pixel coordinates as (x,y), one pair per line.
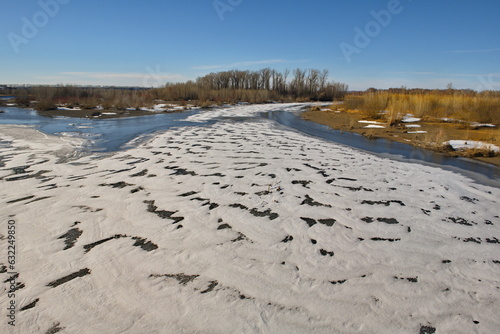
(108,135)
(104,135)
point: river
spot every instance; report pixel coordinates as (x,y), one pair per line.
(109,135)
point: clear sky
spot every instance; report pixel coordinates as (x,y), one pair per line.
(364,43)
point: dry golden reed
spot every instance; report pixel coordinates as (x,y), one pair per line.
(477,107)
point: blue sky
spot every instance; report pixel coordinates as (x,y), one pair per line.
(415,43)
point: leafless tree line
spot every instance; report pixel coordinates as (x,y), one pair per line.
(312,83)
(215,88)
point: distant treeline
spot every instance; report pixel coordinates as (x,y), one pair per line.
(215,88)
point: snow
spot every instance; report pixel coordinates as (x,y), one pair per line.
(69,109)
(412,126)
(244,227)
(374,126)
(471,144)
(483,125)
(407,119)
(417,132)
(370,122)
(162,107)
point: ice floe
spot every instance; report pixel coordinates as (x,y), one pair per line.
(471,144)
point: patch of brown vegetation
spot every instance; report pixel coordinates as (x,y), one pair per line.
(437,132)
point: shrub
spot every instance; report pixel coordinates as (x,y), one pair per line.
(45,105)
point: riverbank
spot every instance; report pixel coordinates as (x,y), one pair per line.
(109,114)
(422,134)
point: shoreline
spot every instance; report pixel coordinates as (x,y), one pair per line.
(100,114)
(348,122)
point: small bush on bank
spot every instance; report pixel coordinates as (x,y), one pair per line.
(45,105)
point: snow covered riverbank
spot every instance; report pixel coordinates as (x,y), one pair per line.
(242,227)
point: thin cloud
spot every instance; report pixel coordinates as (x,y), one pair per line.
(449,74)
(150,78)
(474,51)
(246,64)
(417,73)
(104,75)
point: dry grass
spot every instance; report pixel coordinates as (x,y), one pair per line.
(477,107)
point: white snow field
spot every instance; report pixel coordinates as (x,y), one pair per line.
(243,227)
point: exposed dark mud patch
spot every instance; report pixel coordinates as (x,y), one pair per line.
(190,193)
(215,175)
(426,212)
(141,173)
(210,287)
(311,222)
(56,328)
(460,221)
(183,279)
(38,199)
(409,279)
(30,305)
(239,206)
(267,213)
(240,193)
(146,245)
(326,253)
(262,193)
(71,237)
(241,237)
(386,203)
(163,214)
(224,227)
(180,171)
(88,247)
(427,330)
(313,167)
(468,199)
(70,277)
(117,185)
(470,239)
(20,199)
(385,239)
(390,221)
(311,202)
(304,183)
(327,222)
(347,179)
(355,188)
